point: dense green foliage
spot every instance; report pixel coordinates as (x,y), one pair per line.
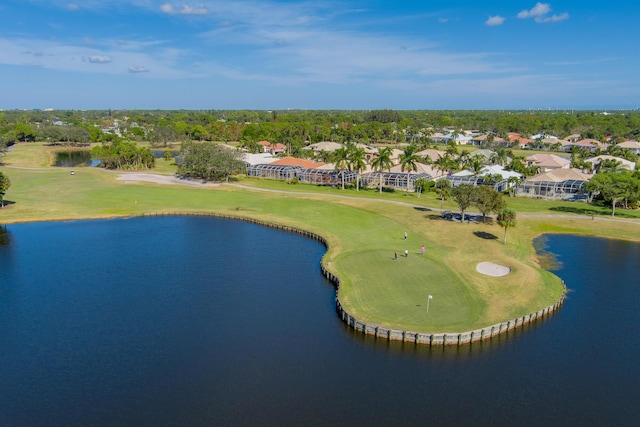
(616,187)
(5,183)
(483,197)
(209,161)
(464,195)
(297,128)
(123,155)
(383,116)
(488,200)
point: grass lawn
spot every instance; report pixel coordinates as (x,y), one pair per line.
(363,229)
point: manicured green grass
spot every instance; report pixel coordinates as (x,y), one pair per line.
(363,231)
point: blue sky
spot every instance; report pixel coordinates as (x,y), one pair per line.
(265,54)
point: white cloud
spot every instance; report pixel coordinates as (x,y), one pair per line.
(540,14)
(138,69)
(539,9)
(88,41)
(98,59)
(552,18)
(166,63)
(494,21)
(73,6)
(185,10)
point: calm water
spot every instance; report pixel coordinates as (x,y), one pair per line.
(75,158)
(202,321)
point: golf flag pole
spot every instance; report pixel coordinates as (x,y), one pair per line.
(428,301)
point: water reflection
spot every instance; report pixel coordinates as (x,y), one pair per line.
(74,158)
(4,235)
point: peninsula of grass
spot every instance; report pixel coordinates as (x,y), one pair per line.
(363,230)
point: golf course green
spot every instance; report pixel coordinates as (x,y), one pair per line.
(363,231)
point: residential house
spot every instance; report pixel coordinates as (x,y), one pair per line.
(516,140)
(483,139)
(575,137)
(495,175)
(624,163)
(326,146)
(548,162)
(555,184)
(633,146)
(590,144)
(432,154)
(259,158)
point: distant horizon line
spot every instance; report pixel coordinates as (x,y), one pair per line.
(600,109)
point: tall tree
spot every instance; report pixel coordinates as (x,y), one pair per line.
(443,190)
(5,183)
(514,183)
(488,200)
(209,161)
(506,219)
(357,162)
(341,161)
(615,187)
(443,163)
(464,195)
(500,157)
(382,162)
(409,162)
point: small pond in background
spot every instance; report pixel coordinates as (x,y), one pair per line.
(74,158)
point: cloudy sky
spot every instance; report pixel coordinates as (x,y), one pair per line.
(321,54)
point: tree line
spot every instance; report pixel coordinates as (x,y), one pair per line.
(297,128)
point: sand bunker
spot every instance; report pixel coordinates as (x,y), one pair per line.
(164,179)
(491,269)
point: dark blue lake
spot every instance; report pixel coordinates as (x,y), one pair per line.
(203,321)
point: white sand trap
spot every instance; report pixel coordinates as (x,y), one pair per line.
(491,269)
(164,179)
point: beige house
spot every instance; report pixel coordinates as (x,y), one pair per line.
(624,163)
(548,162)
(573,137)
(327,146)
(432,154)
(633,146)
(556,184)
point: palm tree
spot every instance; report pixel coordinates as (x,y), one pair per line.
(514,182)
(357,162)
(500,157)
(517,165)
(476,166)
(506,218)
(382,162)
(463,159)
(409,162)
(532,170)
(443,190)
(609,165)
(341,160)
(443,163)
(452,148)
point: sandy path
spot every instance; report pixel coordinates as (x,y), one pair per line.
(164,179)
